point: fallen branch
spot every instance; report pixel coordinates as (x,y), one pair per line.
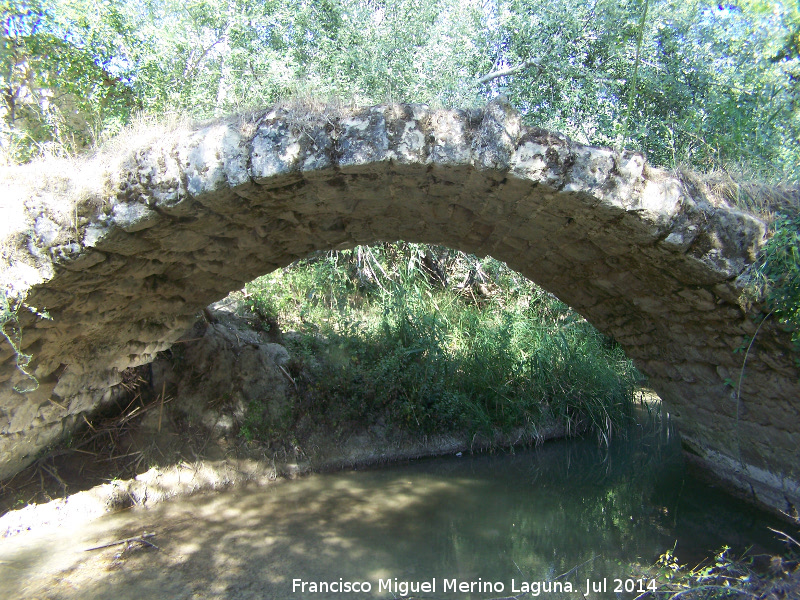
(285,372)
(55,476)
(142,539)
(786,537)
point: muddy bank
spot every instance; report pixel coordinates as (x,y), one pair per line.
(185,479)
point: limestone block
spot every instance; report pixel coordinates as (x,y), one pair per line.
(451,138)
(540,163)
(497,137)
(108,238)
(139,268)
(184,241)
(20,414)
(131,217)
(276,150)
(362,140)
(218,160)
(75,258)
(407,141)
(46,231)
(102,268)
(590,172)
(679,240)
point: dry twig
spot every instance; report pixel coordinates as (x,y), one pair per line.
(139,538)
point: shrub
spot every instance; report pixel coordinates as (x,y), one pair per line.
(780,266)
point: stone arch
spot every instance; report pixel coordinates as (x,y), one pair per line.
(643,255)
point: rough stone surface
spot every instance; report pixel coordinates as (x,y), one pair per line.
(221,368)
(119,275)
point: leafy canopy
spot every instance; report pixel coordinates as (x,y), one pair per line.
(714,85)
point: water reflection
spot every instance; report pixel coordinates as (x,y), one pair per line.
(565,512)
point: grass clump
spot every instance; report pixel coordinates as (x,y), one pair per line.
(432,340)
(727,577)
(778,271)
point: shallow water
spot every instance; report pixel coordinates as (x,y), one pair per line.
(566,512)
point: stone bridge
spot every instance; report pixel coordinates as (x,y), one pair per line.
(113,267)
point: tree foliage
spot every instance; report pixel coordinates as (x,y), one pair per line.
(59,84)
(693,81)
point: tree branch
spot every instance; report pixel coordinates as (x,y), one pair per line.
(189,71)
(511,70)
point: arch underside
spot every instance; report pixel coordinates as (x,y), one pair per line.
(645,257)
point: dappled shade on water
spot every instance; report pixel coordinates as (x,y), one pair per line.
(530,516)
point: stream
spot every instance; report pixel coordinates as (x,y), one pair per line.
(556,521)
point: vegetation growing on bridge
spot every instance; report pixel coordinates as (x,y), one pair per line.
(12,332)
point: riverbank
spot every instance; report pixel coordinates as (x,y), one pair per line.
(203,473)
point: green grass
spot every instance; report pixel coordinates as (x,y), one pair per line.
(380,337)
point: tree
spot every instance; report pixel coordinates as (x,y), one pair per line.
(696,82)
(60,75)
